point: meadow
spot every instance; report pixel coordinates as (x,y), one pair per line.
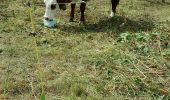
(122,58)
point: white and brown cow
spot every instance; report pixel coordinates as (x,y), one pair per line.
(53,5)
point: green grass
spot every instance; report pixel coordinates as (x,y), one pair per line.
(125,57)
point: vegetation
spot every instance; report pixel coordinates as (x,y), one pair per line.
(125,57)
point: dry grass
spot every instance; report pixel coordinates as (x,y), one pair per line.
(126,57)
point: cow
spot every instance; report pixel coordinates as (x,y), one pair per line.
(53,5)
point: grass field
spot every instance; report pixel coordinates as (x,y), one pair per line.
(125,57)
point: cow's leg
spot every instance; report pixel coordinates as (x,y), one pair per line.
(82,10)
(72,12)
(114,5)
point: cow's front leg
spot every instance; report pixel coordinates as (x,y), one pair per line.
(82,10)
(72,12)
(114,5)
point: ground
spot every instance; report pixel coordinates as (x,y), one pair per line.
(125,57)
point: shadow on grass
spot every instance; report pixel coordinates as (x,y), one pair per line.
(114,25)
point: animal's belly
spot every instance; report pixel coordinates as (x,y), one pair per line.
(74,1)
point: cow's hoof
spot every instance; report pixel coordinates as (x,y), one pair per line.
(71,20)
(82,23)
(112,14)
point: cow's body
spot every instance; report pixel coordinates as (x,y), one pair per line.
(52,5)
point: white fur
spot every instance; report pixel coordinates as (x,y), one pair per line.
(112,14)
(81,1)
(78,1)
(48,12)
